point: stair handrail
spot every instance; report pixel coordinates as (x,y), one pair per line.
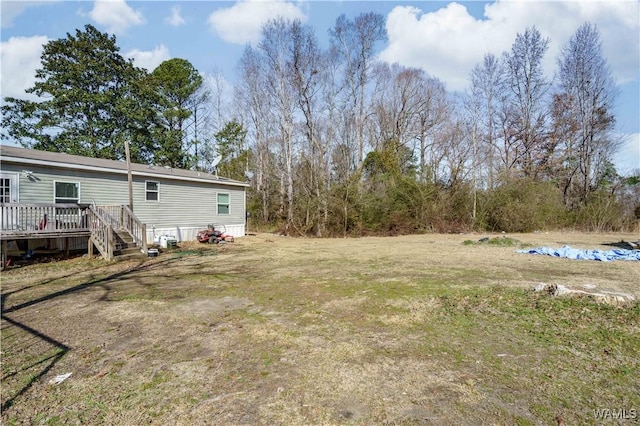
(135,227)
(101,232)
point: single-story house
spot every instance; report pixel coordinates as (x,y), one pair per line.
(168,201)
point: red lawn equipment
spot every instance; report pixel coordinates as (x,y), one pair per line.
(214,234)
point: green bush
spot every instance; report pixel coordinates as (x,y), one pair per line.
(522,205)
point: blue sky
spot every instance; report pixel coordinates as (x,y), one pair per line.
(446,39)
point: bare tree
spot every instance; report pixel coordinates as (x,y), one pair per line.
(275,49)
(395,102)
(433,112)
(219,100)
(456,152)
(529,87)
(408,106)
(355,41)
(584,105)
(216,112)
(306,63)
(487,94)
(249,94)
(195,128)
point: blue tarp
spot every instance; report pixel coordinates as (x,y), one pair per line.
(571,253)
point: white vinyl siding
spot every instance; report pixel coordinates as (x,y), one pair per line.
(152,190)
(66,192)
(224,203)
(180,205)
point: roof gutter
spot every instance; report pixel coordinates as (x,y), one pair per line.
(20,160)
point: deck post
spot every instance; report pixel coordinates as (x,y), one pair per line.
(110,243)
(3,255)
(144,238)
(90,248)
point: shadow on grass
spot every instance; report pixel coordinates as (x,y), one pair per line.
(623,245)
(44,361)
(29,354)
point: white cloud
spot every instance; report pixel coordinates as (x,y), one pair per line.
(242,22)
(219,87)
(20,58)
(175,20)
(149,59)
(12,9)
(627,159)
(447,43)
(115,15)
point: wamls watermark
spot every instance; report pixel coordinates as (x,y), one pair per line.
(615,414)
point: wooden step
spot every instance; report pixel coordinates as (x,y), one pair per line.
(122,246)
(123,237)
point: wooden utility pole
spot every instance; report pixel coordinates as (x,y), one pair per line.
(130,177)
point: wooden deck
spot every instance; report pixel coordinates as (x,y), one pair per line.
(34,221)
(98,224)
(46,234)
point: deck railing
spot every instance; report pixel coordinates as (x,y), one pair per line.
(112,214)
(21,220)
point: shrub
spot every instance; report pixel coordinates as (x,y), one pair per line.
(522,205)
(600,213)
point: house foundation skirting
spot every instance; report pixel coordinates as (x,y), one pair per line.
(184,233)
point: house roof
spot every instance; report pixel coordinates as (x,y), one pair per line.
(16,155)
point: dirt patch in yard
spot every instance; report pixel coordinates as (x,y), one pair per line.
(273,330)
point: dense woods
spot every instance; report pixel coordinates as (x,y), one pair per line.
(336,143)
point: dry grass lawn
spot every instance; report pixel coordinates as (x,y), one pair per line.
(280,331)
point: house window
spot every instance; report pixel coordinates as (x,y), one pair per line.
(223,203)
(152,191)
(5,190)
(66,192)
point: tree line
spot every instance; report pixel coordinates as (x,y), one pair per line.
(335,142)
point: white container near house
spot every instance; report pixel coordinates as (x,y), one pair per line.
(168,241)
